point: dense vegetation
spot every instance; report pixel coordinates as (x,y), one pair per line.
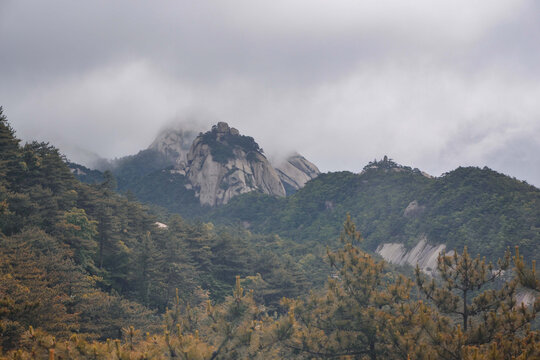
(136,166)
(172,194)
(367,312)
(81,264)
(480,208)
(82,258)
(473,207)
(86,175)
(221,148)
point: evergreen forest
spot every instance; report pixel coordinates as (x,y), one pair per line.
(95,270)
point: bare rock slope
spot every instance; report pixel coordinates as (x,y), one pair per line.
(222,164)
(175,142)
(423,254)
(296,171)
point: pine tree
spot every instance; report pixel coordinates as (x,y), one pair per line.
(363,310)
(9,150)
(178,268)
(473,315)
(77,230)
(147,268)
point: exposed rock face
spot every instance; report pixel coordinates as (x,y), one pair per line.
(525,297)
(296,171)
(161,225)
(423,254)
(222,164)
(174,143)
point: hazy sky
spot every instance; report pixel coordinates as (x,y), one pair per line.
(432,84)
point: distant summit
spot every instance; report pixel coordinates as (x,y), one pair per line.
(175,142)
(212,167)
(387,164)
(221,164)
(295,172)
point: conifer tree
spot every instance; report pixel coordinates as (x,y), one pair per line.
(77,230)
(178,268)
(473,315)
(363,311)
(9,149)
(147,264)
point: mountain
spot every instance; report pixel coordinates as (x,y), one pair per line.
(295,172)
(393,204)
(185,170)
(222,163)
(175,142)
(396,207)
(82,266)
(80,258)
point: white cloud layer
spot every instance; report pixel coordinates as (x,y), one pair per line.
(434,85)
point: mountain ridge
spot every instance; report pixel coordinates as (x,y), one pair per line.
(222,163)
(211,167)
(469,207)
(391,203)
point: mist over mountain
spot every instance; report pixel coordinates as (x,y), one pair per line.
(225,177)
(80,261)
(361,80)
(252,180)
(184,169)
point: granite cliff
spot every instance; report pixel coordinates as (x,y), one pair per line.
(295,172)
(221,163)
(175,142)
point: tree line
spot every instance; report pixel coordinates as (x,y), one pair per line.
(86,273)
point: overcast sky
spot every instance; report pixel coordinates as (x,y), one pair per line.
(432,84)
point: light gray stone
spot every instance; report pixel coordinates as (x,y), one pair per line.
(216,183)
(175,142)
(423,254)
(296,171)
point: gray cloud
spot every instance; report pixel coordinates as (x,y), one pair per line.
(343,82)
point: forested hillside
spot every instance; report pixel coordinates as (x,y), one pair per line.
(87,273)
(479,208)
(95,261)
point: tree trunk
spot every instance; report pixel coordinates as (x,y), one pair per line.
(465,310)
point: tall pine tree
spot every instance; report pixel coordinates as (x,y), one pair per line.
(472,313)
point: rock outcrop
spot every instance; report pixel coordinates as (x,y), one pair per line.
(175,143)
(295,171)
(222,163)
(525,297)
(423,254)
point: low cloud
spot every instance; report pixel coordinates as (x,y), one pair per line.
(341,82)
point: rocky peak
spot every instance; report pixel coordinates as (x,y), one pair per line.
(175,142)
(222,129)
(221,164)
(387,165)
(295,171)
